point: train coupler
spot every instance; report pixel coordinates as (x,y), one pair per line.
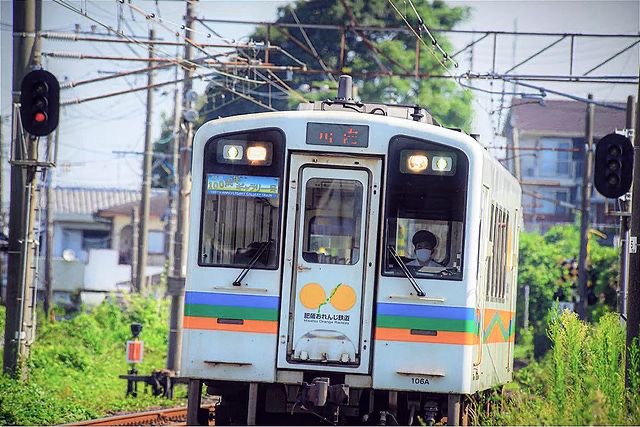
(321,393)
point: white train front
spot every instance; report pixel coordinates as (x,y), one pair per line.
(351,263)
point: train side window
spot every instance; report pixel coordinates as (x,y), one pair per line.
(498,261)
(332,221)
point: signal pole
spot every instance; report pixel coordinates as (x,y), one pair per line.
(587,176)
(146,177)
(48,264)
(177,281)
(20,327)
(633,299)
(624,226)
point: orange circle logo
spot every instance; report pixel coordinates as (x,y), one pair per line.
(312,295)
(343,298)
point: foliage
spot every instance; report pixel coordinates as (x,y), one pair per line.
(79,380)
(579,382)
(369,56)
(540,267)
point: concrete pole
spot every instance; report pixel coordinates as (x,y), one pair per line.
(19,325)
(587,176)
(147,160)
(182,231)
(633,293)
(172,181)
(1,210)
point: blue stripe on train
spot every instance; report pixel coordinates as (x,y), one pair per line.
(419,310)
(212,298)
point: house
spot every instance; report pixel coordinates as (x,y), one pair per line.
(545,151)
(92,240)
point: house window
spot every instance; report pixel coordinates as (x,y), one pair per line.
(550,161)
(95,239)
(155,242)
(548,201)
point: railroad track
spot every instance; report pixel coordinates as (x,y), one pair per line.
(148,418)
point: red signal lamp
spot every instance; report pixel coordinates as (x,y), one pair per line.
(39,117)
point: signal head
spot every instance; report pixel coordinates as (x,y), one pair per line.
(39,102)
(613,165)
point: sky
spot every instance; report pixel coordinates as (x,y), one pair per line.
(93,135)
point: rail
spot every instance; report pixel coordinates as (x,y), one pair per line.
(156,417)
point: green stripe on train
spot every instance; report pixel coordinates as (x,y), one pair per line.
(450,325)
(246,313)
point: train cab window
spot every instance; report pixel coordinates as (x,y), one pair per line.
(425,210)
(241,200)
(332,221)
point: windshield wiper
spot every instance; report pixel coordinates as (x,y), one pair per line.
(406,271)
(252,262)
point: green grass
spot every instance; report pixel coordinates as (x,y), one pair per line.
(74,365)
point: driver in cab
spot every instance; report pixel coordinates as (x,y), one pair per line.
(425,243)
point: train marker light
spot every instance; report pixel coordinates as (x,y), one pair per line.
(442,164)
(39,102)
(417,163)
(613,165)
(232,152)
(256,153)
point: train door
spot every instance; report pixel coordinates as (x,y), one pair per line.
(327,297)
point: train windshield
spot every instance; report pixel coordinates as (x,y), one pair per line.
(425,210)
(241,200)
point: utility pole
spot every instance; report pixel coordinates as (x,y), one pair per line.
(48,260)
(624,226)
(135,223)
(19,327)
(1,210)
(633,298)
(146,177)
(587,177)
(176,287)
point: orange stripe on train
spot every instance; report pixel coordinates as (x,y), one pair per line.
(442,337)
(211,324)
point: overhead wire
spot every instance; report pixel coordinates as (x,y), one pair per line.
(313,49)
(434,42)
(183,63)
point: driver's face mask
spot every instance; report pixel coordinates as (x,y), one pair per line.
(423,254)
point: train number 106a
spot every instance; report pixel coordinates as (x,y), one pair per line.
(418,380)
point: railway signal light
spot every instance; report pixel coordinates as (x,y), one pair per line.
(613,165)
(39,102)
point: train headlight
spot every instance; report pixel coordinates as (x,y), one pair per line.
(417,162)
(256,153)
(442,163)
(232,152)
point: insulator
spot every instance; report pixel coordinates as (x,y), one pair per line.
(70,55)
(60,36)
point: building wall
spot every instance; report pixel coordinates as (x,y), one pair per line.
(122,240)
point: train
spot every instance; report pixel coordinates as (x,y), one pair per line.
(348,263)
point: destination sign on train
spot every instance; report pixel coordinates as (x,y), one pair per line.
(337,135)
(242,185)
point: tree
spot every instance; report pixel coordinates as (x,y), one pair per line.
(540,268)
(370,57)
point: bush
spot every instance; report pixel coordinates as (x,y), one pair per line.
(75,363)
